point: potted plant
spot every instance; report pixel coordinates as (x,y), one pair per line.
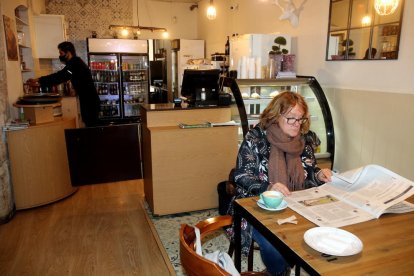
(348,49)
(277,49)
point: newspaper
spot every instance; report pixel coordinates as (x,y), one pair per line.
(229,123)
(353,197)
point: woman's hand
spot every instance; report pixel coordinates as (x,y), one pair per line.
(280,188)
(324,175)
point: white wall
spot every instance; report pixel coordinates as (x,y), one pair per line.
(380,75)
(260,16)
(373,128)
(38,7)
(176,17)
(13,75)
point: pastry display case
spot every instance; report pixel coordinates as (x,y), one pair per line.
(251,96)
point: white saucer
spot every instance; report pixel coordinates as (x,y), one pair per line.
(282,205)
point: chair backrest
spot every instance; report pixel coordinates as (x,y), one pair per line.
(195,264)
(190,260)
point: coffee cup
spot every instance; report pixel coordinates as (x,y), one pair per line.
(271,199)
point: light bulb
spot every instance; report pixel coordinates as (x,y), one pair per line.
(124,32)
(211,11)
(165,34)
(366,20)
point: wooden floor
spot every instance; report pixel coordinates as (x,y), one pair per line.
(100,230)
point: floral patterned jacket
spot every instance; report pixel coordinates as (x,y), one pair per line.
(251,174)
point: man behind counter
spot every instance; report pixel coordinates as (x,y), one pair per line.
(79,74)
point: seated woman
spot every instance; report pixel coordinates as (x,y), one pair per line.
(277,154)
(373,53)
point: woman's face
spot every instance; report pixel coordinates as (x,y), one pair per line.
(292,130)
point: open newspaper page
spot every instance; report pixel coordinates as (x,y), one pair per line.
(353,197)
(229,123)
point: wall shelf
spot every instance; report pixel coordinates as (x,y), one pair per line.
(25,50)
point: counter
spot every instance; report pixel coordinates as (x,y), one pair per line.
(39,163)
(182,167)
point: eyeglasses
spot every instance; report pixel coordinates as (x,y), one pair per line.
(292,121)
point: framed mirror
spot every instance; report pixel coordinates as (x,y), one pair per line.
(364,29)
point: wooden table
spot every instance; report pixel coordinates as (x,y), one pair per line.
(388,242)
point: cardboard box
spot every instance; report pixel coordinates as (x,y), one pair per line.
(38,115)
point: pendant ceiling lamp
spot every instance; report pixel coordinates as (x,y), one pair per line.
(125,30)
(366,20)
(385,7)
(211,11)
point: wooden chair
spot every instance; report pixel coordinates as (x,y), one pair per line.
(226,191)
(191,261)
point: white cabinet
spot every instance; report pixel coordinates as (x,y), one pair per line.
(49,32)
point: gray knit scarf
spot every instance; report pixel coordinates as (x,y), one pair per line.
(285,165)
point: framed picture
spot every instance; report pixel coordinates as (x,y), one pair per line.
(11,42)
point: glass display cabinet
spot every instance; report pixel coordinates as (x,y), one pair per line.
(251,96)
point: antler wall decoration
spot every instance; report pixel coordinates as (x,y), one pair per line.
(289,11)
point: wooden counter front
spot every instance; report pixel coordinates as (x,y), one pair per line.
(182,167)
(39,163)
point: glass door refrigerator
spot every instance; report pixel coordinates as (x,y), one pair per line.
(119,69)
(134,83)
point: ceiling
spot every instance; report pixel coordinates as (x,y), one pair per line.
(179,1)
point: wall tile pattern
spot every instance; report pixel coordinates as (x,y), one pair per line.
(84,16)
